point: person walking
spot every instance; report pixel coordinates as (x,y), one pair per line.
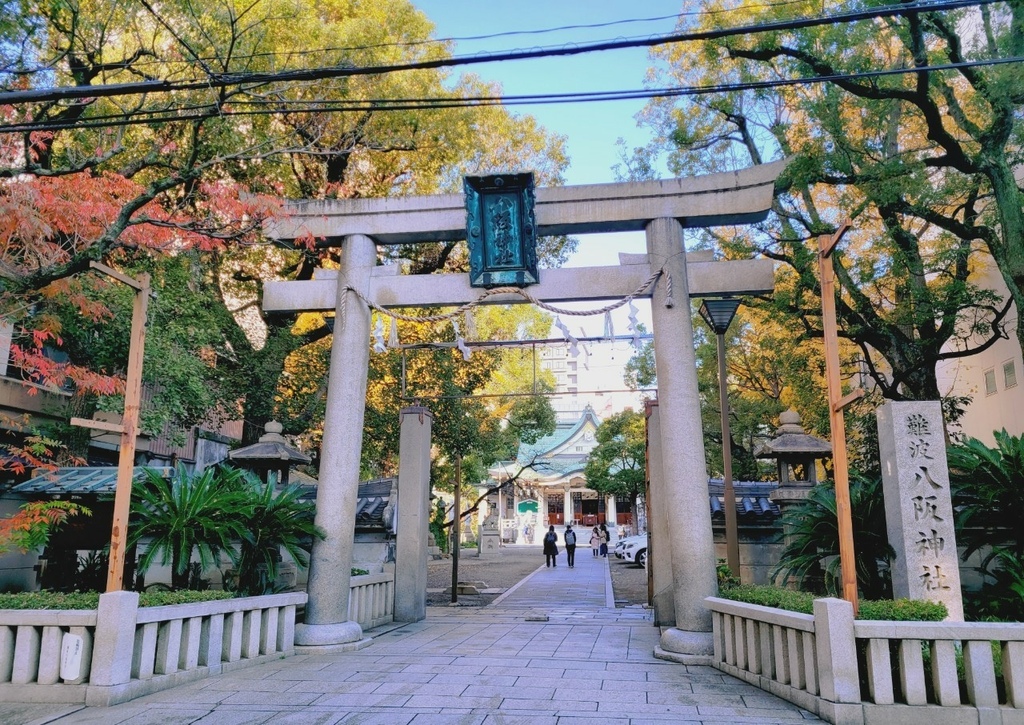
(570,546)
(595,541)
(605,538)
(550,547)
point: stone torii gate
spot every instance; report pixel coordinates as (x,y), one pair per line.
(662,209)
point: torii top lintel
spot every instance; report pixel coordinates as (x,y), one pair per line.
(736,197)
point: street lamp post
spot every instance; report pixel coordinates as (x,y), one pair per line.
(718,315)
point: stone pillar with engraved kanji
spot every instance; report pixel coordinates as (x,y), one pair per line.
(918,507)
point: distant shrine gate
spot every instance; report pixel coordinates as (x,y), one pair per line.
(662,209)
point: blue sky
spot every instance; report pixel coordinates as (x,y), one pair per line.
(591,129)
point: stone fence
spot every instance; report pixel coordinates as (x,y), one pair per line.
(371,599)
(120,651)
(850,671)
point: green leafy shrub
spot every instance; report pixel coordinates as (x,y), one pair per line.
(359,572)
(988,491)
(903,610)
(90,600)
(898,610)
(811,552)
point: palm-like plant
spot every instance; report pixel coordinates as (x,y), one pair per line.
(276,519)
(188,514)
(988,494)
(812,537)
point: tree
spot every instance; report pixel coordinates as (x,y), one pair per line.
(34,523)
(199,168)
(922,162)
(617,465)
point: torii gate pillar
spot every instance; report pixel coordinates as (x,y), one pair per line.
(327,621)
(682,444)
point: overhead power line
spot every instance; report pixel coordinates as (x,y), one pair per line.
(187,113)
(222,80)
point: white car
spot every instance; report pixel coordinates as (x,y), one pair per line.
(633,548)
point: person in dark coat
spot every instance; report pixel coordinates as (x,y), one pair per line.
(550,547)
(570,546)
(605,538)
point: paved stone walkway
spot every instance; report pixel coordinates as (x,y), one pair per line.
(551,651)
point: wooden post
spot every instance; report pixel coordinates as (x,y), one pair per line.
(732,534)
(129,425)
(836,403)
(457,528)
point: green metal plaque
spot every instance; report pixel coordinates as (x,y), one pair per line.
(501,230)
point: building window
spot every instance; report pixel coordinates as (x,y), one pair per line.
(1009,374)
(990,382)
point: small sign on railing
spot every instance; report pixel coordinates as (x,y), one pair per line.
(71,657)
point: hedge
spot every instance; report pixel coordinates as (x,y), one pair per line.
(90,600)
(898,610)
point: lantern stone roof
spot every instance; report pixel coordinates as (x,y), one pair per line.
(792,441)
(271,448)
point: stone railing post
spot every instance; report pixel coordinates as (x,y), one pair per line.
(115,638)
(837,650)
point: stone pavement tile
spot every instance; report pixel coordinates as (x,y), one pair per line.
(441,687)
(236,684)
(377,718)
(389,677)
(33,713)
(325,687)
(613,708)
(563,683)
(589,720)
(563,664)
(600,696)
(422,660)
(161,716)
(354,663)
(742,714)
(361,701)
(205,696)
(668,697)
(491,702)
(444,718)
(456,669)
(764,700)
(736,688)
(306,717)
(516,672)
(635,686)
(567,708)
(530,719)
(518,692)
(282,699)
(235,717)
(495,680)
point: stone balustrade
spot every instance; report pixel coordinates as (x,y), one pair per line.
(121,651)
(849,671)
(371,601)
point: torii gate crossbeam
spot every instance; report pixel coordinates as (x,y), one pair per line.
(662,209)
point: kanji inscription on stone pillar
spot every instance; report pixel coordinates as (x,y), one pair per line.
(918,507)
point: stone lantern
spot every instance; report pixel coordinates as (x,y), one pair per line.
(797,454)
(270,453)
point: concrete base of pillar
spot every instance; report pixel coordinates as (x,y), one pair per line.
(682,642)
(329,635)
(663,654)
